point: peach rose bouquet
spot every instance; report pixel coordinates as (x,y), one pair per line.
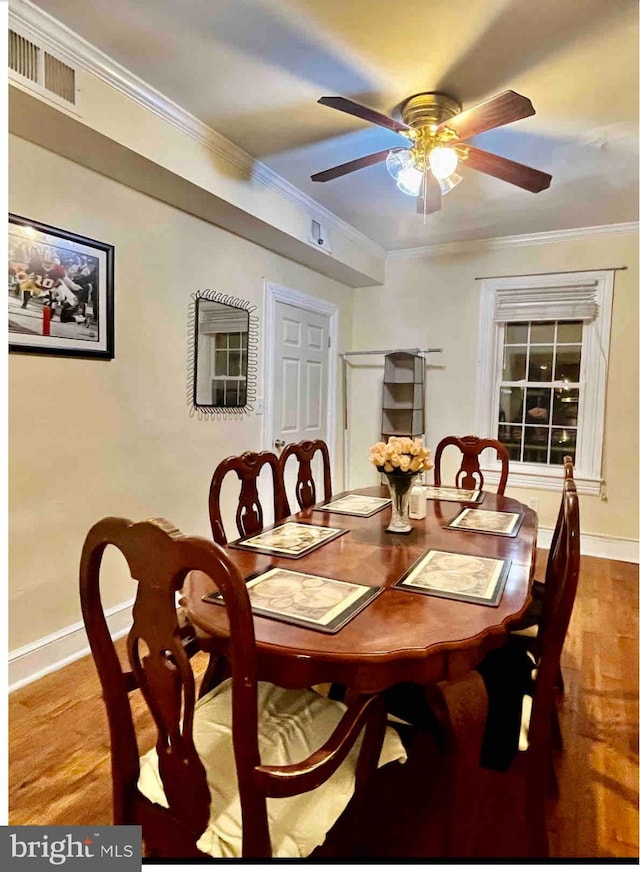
(401,454)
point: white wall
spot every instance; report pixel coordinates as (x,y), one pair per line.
(94,438)
(432,300)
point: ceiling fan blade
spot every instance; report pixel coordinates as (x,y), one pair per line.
(350,167)
(363,112)
(433,201)
(507,170)
(499,110)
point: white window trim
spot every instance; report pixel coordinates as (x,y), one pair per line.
(595,356)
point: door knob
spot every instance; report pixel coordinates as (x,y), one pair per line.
(279,444)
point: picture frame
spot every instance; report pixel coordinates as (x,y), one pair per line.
(61,298)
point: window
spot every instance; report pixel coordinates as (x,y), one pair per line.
(229,384)
(542,372)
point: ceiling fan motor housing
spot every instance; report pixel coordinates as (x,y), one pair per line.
(428,110)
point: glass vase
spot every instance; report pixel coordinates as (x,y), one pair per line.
(400,484)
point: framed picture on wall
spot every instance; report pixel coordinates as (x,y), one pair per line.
(60,292)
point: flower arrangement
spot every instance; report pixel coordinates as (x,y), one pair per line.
(401,454)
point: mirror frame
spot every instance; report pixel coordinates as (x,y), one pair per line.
(222,412)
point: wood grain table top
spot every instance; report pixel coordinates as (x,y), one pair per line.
(399,635)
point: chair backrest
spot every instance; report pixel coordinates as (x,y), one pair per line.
(470,475)
(249,514)
(568,473)
(305,487)
(557,607)
(159,557)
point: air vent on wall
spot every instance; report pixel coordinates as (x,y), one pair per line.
(39,70)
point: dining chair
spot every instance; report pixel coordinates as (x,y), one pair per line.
(249,513)
(305,486)
(470,475)
(211,770)
(532,762)
(526,628)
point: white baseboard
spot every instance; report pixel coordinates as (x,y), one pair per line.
(607,547)
(50,653)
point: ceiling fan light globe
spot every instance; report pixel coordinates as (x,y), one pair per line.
(410,181)
(449,183)
(443,161)
(398,161)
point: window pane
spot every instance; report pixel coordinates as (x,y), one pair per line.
(565,407)
(234,340)
(511,404)
(510,438)
(217,389)
(516,333)
(234,363)
(232,393)
(563,441)
(535,444)
(221,363)
(515,364)
(538,405)
(242,393)
(542,331)
(222,340)
(568,363)
(540,363)
(569,331)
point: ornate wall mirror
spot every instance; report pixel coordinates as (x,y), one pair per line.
(222,374)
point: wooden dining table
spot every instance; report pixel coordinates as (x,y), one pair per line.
(399,635)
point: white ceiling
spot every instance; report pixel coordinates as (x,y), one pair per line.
(254,69)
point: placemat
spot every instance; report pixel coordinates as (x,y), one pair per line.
(355,504)
(290,540)
(454,494)
(487,521)
(462,577)
(312,601)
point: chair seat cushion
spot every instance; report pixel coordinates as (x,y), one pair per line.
(292,724)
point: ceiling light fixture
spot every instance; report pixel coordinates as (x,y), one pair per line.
(437,130)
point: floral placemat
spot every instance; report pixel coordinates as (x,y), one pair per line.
(311,601)
(457,576)
(487,521)
(355,504)
(454,494)
(290,539)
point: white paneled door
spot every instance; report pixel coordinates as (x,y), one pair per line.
(300,375)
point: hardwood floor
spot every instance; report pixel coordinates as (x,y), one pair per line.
(59,744)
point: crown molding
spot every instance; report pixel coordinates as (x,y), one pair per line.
(78,52)
(499,242)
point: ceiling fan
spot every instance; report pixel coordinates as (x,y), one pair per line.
(438,129)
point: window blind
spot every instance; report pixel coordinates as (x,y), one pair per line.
(561,303)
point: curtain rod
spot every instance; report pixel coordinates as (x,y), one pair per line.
(393,351)
(551,273)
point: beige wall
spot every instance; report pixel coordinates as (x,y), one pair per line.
(94,438)
(433,301)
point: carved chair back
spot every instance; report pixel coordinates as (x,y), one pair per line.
(305,486)
(159,559)
(249,514)
(470,475)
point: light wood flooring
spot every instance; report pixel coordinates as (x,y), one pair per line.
(59,757)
